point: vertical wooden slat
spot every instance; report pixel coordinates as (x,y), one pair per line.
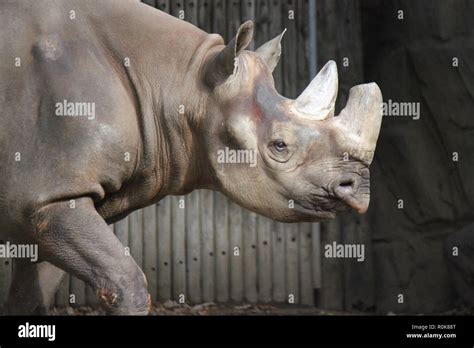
(163,211)
(207,246)
(316,254)
(222,247)
(249,229)
(236,253)
(178,245)
(149,2)
(306,284)
(149,250)
(204,15)
(163,5)
(135,235)
(332,281)
(264,258)
(248,13)
(62,295)
(292,274)
(289,50)
(78,289)
(276,28)
(278,263)
(193,247)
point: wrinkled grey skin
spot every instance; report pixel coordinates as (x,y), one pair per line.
(77,175)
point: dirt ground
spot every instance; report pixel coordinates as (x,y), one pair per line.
(174,308)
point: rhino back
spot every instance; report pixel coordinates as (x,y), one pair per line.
(44,155)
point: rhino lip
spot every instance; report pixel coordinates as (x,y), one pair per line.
(358,205)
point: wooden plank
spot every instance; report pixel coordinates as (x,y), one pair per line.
(121,231)
(177,9)
(78,289)
(135,235)
(207,246)
(331,295)
(150,2)
(150,250)
(222,247)
(316,254)
(276,27)
(248,8)
(264,258)
(163,211)
(204,15)
(279,293)
(178,246)
(193,247)
(249,229)
(163,5)
(289,50)
(236,253)
(62,295)
(292,274)
(305,275)
(219,19)
(302,26)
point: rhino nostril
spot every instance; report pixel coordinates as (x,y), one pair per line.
(348,183)
(345,187)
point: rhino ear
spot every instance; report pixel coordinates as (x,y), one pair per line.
(271,51)
(222,65)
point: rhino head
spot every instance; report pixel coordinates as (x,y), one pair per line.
(289,160)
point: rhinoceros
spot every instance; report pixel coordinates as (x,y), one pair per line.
(100,117)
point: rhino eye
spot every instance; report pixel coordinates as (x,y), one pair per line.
(279,145)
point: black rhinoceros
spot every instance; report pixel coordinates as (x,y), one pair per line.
(100,117)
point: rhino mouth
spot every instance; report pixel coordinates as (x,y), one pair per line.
(324,207)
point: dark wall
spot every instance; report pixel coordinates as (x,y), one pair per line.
(413,59)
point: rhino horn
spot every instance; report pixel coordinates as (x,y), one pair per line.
(318,100)
(361,120)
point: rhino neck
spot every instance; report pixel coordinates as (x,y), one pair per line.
(165,55)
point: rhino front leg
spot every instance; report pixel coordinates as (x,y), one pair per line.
(79,241)
(33,287)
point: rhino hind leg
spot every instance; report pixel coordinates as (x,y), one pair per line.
(79,241)
(460,253)
(33,287)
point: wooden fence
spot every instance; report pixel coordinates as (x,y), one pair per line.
(202,247)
